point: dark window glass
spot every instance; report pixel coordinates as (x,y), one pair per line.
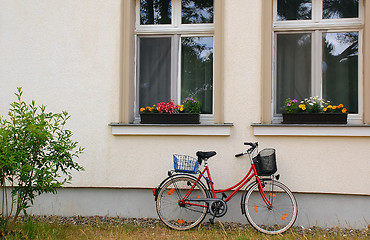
(197,70)
(154,70)
(293,67)
(294,10)
(340,69)
(155,12)
(333,9)
(197,11)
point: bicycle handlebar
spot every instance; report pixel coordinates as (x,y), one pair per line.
(253,145)
(250,150)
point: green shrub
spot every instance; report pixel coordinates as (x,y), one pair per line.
(36,154)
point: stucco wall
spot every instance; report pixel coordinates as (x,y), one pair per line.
(66,54)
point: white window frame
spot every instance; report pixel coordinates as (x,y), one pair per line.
(317,26)
(176,30)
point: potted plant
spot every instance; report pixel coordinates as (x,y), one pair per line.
(313,110)
(170,113)
(191,105)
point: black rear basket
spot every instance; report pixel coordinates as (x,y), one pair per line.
(265,162)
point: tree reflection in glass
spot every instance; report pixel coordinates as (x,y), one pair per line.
(294,10)
(197,11)
(340,69)
(197,70)
(333,9)
(155,12)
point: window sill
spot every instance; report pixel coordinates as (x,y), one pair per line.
(336,130)
(172,129)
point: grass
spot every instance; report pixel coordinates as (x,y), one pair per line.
(35,229)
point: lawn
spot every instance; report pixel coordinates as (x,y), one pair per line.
(118,228)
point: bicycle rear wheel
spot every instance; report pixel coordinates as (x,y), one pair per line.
(275,219)
(181,216)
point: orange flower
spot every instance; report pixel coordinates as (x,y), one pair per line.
(340,105)
(344,110)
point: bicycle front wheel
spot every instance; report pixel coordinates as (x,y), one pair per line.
(181,215)
(278,217)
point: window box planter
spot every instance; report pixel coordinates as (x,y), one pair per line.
(314,118)
(166,118)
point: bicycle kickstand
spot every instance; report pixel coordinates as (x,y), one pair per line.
(212,220)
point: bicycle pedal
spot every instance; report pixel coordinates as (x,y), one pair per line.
(224,196)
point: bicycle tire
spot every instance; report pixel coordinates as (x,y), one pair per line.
(174,215)
(277,219)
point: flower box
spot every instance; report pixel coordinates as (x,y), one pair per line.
(315,118)
(166,118)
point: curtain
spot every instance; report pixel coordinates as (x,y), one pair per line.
(154,70)
(293,67)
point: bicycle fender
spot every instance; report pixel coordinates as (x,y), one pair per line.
(156,190)
(242,200)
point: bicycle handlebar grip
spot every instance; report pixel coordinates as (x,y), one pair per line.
(251,144)
(239,154)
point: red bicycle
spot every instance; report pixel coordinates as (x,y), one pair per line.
(183,200)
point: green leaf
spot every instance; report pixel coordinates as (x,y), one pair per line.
(36,151)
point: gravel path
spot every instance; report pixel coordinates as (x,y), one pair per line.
(151,222)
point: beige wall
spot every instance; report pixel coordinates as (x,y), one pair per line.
(65,54)
(68,55)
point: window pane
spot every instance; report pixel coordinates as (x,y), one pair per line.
(154,70)
(293,67)
(333,9)
(197,70)
(155,12)
(294,10)
(197,11)
(340,69)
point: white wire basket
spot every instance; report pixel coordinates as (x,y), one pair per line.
(185,163)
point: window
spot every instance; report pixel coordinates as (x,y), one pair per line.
(174,57)
(318,52)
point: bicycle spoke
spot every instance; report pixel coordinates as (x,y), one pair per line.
(175,213)
(273,219)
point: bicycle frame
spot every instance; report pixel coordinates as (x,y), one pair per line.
(251,173)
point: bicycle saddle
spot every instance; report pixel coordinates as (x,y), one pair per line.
(205,154)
